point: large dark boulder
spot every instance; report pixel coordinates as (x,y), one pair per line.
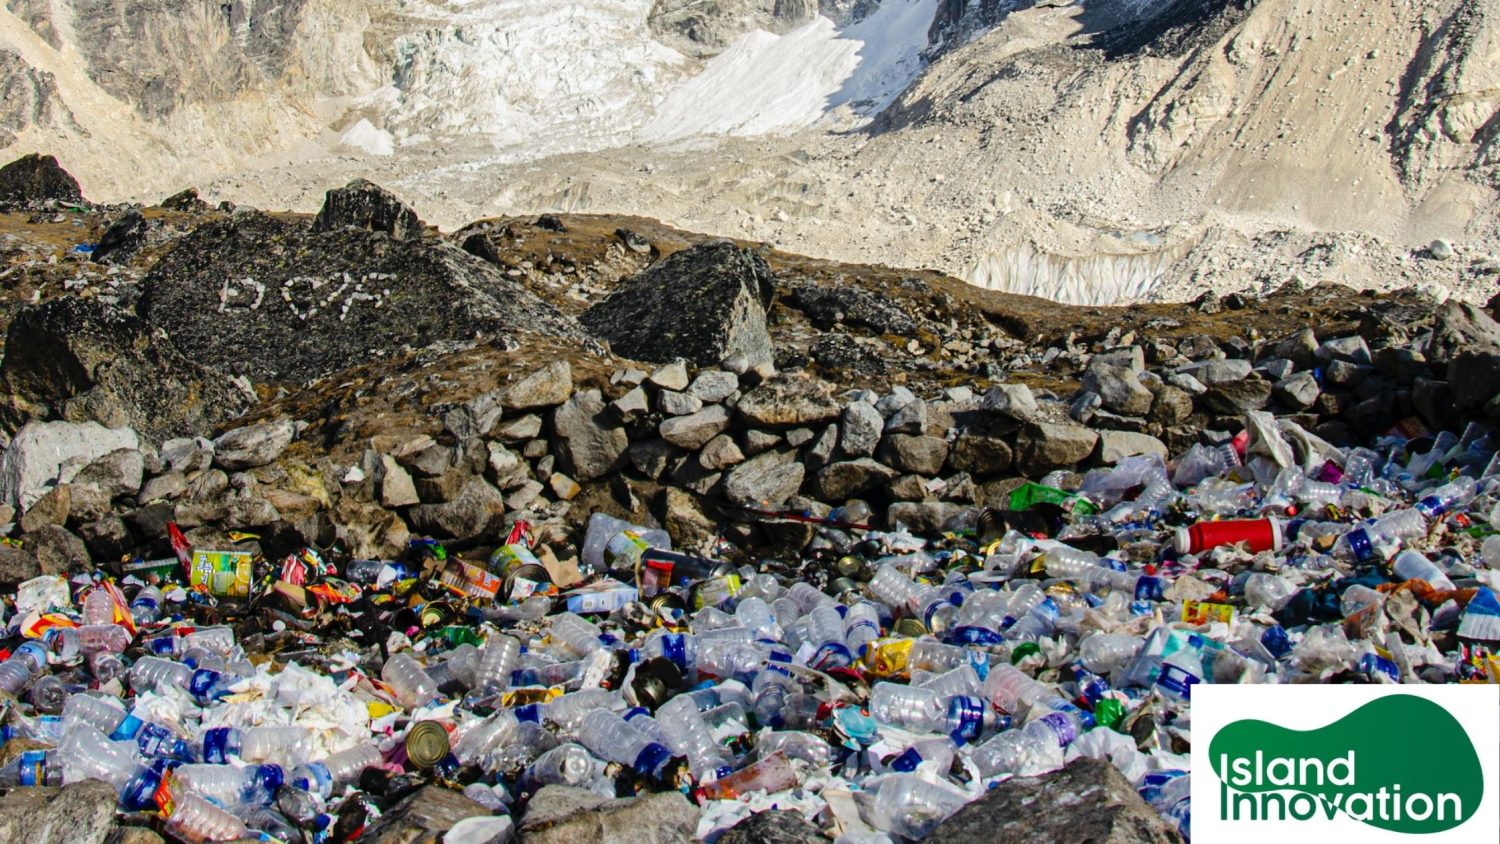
(35,179)
(366,205)
(702,304)
(269,298)
(1086,801)
(122,239)
(83,360)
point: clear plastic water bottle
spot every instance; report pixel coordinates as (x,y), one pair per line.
(500,656)
(49,693)
(568,764)
(86,753)
(152,672)
(578,634)
(962,680)
(98,607)
(32,768)
(726,659)
(412,686)
(755,614)
(797,744)
(102,713)
(1446,498)
(145,607)
(568,711)
(103,637)
(825,632)
(770,689)
(15,676)
(228,785)
(892,587)
(1413,565)
(911,807)
(1105,653)
(861,626)
(1364,544)
(1010,690)
(908,707)
(196,820)
(613,739)
(477,739)
(688,736)
(1269,591)
(337,770)
(679,648)
(285,746)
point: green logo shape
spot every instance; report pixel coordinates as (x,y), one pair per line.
(1400,763)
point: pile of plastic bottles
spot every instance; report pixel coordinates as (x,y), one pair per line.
(877,685)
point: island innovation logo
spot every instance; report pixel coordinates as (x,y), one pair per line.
(1385,763)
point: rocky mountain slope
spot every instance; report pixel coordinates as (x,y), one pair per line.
(295,377)
(1098,151)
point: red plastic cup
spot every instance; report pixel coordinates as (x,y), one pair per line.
(1257,534)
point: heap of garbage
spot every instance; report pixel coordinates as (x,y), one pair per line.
(875,686)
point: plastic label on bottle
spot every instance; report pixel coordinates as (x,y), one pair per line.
(127,728)
(33,768)
(202,683)
(674,648)
(651,759)
(215,745)
(969,635)
(1062,726)
(140,793)
(1177,680)
(965,718)
(1202,612)
(1359,543)
(907,761)
(156,740)
(1276,641)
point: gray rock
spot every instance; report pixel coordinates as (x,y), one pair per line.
(187,454)
(1086,801)
(45,453)
(423,817)
(1238,397)
(590,443)
(628,377)
(720,452)
(1460,327)
(1440,249)
(919,454)
(504,468)
(1213,372)
(694,431)
(652,457)
(254,445)
(702,304)
(799,437)
(520,429)
(524,495)
(1115,446)
(1276,369)
(1186,383)
(549,386)
(1353,349)
(116,473)
(837,482)
(563,487)
(898,398)
(108,538)
(1084,406)
(767,479)
(980,454)
(56,550)
(673,376)
(1297,391)
(33,179)
(475,417)
(1298,348)
(1172,406)
(427,459)
(1043,446)
(1474,378)
(753,442)
(1012,400)
(564,815)
(911,418)
(1132,358)
(820,451)
(861,427)
(365,205)
(1434,403)
(673,403)
(17,565)
(79,813)
(923,517)
(396,486)
(1342,373)
(788,403)
(631,405)
(51,509)
(714,385)
(477,509)
(1119,388)
(773,827)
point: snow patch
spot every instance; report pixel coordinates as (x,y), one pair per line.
(766,83)
(366,137)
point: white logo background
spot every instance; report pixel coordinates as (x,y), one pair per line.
(1308,707)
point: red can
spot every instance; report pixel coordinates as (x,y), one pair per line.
(1257,534)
